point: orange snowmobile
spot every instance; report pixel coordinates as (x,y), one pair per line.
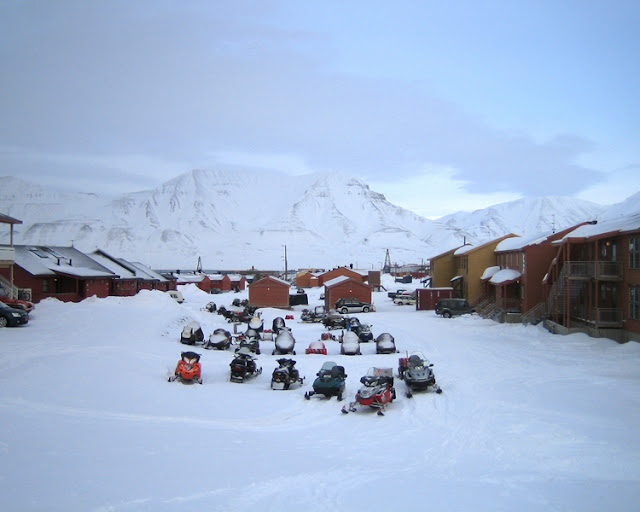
(188,368)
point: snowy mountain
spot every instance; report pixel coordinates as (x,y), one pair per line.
(244,219)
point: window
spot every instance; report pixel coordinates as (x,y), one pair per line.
(45,286)
(634,302)
(634,253)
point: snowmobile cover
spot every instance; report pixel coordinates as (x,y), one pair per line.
(385,344)
(350,343)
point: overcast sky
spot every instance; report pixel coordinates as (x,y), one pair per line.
(441,106)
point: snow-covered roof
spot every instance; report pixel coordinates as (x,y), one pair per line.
(216,277)
(234,277)
(464,249)
(489,272)
(112,264)
(456,278)
(146,272)
(336,280)
(50,260)
(275,279)
(623,224)
(183,278)
(504,276)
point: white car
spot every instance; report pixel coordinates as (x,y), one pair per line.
(406,298)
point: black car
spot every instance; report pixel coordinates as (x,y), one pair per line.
(451,307)
(12,317)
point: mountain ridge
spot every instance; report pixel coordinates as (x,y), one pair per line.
(244,219)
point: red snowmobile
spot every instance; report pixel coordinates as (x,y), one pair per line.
(376,392)
(188,368)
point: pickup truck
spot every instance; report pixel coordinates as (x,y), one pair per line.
(392,295)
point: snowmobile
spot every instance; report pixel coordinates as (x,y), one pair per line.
(314,316)
(334,320)
(417,374)
(278,325)
(188,369)
(249,340)
(192,334)
(285,374)
(210,307)
(364,333)
(330,381)
(350,344)
(385,344)
(316,347)
(243,366)
(376,391)
(219,339)
(256,323)
(353,324)
(285,343)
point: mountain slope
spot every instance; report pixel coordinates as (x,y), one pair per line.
(244,219)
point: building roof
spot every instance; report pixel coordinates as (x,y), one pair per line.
(471,248)
(623,224)
(147,273)
(52,260)
(277,279)
(113,264)
(505,276)
(5,219)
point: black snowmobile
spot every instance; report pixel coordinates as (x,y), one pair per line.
(417,373)
(243,366)
(385,344)
(220,339)
(278,325)
(285,374)
(334,320)
(285,343)
(330,381)
(192,334)
(249,340)
(315,316)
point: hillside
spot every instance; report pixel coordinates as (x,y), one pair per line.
(244,219)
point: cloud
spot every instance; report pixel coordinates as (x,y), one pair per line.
(614,186)
(136,92)
(435,191)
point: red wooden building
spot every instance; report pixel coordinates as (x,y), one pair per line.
(219,281)
(269,292)
(60,272)
(426,298)
(237,282)
(344,287)
(338,272)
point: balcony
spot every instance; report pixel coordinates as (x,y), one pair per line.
(602,270)
(7,255)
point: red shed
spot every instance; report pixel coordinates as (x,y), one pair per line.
(344,287)
(219,281)
(340,271)
(427,297)
(269,292)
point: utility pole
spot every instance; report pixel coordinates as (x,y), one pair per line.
(286,270)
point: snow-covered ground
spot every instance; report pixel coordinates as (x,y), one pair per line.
(527,421)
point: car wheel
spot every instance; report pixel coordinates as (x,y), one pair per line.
(365,309)
(344,311)
(446,314)
(3,321)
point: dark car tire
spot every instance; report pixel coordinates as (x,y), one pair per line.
(344,311)
(3,321)
(446,314)
(365,309)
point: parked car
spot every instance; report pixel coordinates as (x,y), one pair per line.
(12,317)
(24,305)
(450,307)
(345,306)
(392,295)
(176,295)
(405,298)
